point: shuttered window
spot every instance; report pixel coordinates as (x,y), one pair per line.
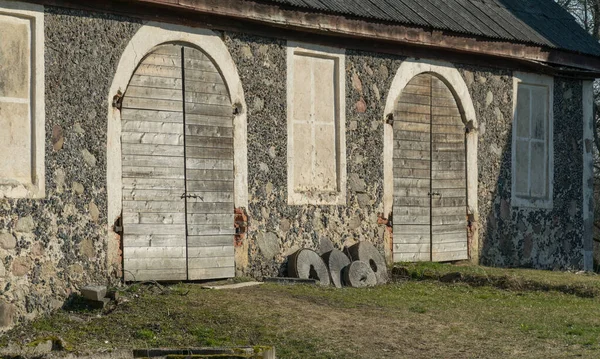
(532,140)
(316,145)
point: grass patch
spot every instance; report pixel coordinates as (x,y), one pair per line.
(145,334)
(585,285)
(207,337)
(416,319)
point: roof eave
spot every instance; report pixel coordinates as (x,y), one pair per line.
(580,65)
(343,26)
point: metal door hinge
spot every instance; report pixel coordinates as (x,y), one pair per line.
(389,119)
(237,109)
(118,226)
(118,101)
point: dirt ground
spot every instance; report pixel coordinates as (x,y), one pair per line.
(405,319)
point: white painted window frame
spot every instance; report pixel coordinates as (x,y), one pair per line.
(37,187)
(519,200)
(338,55)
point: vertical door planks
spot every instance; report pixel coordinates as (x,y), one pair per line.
(177,154)
(429,213)
(153,170)
(209,169)
(448,177)
(412,172)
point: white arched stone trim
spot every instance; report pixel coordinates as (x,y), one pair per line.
(450,75)
(148,37)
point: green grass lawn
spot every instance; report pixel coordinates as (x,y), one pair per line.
(404,319)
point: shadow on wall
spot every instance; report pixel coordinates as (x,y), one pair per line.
(529,237)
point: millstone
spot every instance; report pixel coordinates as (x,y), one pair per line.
(336,261)
(307,264)
(359,275)
(325,245)
(366,252)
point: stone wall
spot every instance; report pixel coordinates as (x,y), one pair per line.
(49,247)
(276,228)
(524,237)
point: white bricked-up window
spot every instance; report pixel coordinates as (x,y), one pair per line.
(532,153)
(21,100)
(316,130)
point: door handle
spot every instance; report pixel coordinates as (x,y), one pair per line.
(434,194)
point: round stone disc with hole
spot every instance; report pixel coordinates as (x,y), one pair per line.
(307,264)
(359,275)
(366,252)
(336,261)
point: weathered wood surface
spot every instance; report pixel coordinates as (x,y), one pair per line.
(429,174)
(153,170)
(177,157)
(215,272)
(209,169)
(448,212)
(412,169)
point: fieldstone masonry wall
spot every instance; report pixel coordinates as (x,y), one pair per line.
(50,247)
(277,229)
(511,236)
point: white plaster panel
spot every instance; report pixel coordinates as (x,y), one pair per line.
(325,171)
(316,125)
(15,43)
(303,151)
(22,107)
(15,142)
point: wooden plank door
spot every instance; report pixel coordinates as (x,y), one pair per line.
(448,177)
(154,245)
(412,172)
(178,220)
(429,212)
(209,169)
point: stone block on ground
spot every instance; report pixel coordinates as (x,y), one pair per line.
(94,292)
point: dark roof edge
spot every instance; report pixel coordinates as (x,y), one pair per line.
(552,60)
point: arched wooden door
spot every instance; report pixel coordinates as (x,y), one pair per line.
(430,187)
(177,158)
